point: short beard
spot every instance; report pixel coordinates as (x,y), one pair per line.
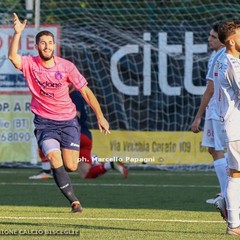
(237,47)
(44,57)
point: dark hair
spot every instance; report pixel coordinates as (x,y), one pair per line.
(227,29)
(43,33)
(215,26)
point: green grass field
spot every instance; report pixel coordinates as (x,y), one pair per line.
(148,205)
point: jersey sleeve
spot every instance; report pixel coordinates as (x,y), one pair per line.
(210,73)
(77,79)
(25,64)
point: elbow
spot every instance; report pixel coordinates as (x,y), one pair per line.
(15,60)
(10,57)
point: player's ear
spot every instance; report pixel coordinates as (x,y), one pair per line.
(36,46)
(231,42)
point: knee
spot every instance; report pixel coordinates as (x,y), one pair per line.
(72,167)
(70,159)
(211,151)
(55,158)
(216,154)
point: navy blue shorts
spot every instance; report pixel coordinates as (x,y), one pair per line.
(66,133)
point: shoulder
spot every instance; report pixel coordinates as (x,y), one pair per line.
(219,53)
(30,58)
(231,60)
(64,64)
(63,61)
(223,58)
(234,64)
(222,63)
(28,61)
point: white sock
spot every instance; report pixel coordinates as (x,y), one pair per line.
(233,201)
(220,166)
(107,166)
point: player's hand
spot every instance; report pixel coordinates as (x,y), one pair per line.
(103,126)
(195,125)
(18,26)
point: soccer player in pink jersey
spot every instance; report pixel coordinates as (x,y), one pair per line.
(86,168)
(56,127)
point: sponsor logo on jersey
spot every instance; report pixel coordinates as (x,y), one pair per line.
(58,75)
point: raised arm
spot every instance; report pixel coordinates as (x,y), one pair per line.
(94,104)
(13,55)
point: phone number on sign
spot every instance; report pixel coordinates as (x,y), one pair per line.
(15,137)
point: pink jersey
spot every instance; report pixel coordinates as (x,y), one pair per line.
(49,87)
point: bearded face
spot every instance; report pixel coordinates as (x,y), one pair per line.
(46,47)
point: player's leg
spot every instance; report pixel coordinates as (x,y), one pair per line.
(60,175)
(70,159)
(86,169)
(219,155)
(233,188)
(221,168)
(70,132)
(214,139)
(46,166)
(52,136)
(46,172)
